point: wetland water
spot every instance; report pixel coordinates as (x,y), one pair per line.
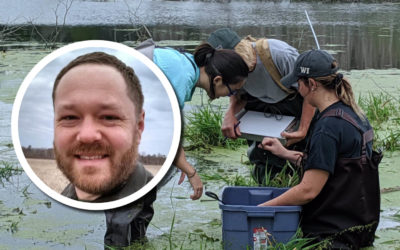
(363,37)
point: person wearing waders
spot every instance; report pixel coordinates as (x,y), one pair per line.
(339,190)
(96,141)
(268,60)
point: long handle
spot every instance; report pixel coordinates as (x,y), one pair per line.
(312,29)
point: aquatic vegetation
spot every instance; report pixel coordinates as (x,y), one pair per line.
(171,245)
(7,170)
(383,113)
(297,242)
(287,177)
(14,227)
(392,141)
(204,129)
(378,108)
(10,218)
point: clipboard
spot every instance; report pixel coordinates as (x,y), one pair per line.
(257,125)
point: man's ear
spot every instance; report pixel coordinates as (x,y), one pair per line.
(140,126)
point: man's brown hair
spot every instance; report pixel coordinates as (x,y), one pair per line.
(101,58)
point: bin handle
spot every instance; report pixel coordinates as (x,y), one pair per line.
(213,195)
(261,214)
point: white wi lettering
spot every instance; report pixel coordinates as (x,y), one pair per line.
(305,70)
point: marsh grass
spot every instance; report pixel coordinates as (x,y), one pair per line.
(378,108)
(296,242)
(391,142)
(7,170)
(14,227)
(287,177)
(383,112)
(203,129)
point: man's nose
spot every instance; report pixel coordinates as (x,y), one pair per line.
(89,131)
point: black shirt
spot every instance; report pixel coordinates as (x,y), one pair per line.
(331,138)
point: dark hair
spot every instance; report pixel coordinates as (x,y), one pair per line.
(101,58)
(228,63)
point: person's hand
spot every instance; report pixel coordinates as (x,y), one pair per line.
(228,126)
(196,184)
(273,145)
(293,137)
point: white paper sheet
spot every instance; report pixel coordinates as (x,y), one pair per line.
(260,124)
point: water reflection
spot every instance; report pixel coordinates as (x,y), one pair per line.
(361,35)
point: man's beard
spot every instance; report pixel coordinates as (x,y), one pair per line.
(118,172)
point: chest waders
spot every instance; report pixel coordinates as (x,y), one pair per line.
(346,212)
(128,224)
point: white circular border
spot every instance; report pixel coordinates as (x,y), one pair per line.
(102,205)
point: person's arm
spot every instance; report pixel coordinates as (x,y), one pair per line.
(189,171)
(306,116)
(228,125)
(274,146)
(310,186)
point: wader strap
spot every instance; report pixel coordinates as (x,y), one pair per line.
(263,51)
(367,135)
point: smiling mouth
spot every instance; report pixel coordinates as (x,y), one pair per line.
(91,157)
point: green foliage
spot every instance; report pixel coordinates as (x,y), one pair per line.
(383,110)
(236,180)
(296,242)
(378,108)
(287,177)
(7,170)
(14,227)
(204,129)
(392,141)
(171,244)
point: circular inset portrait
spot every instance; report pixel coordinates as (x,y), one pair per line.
(96,125)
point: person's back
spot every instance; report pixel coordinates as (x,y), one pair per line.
(181,71)
(260,83)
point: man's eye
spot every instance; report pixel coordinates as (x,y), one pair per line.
(69,118)
(110,117)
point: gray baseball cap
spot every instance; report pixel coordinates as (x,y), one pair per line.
(223,38)
(311,63)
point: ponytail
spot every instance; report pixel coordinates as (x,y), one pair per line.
(226,63)
(202,54)
(343,90)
